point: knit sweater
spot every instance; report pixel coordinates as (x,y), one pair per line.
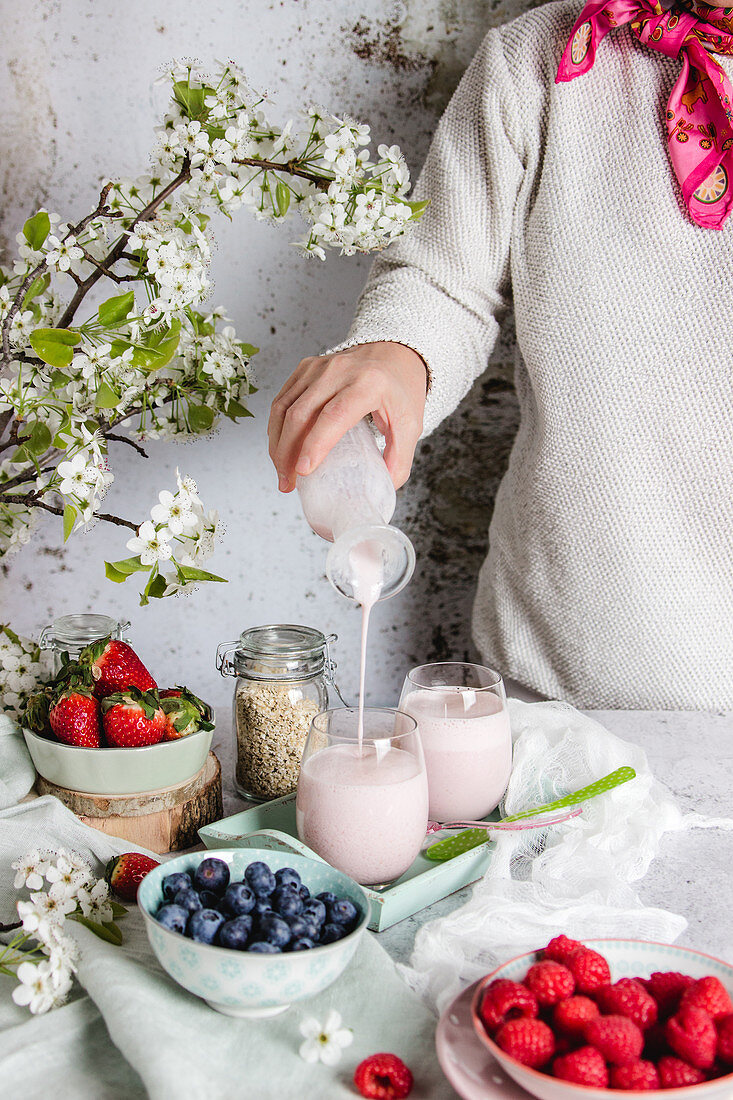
(609,578)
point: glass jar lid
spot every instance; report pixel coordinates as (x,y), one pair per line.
(280,651)
(76,631)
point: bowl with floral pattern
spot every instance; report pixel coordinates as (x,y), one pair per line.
(241,982)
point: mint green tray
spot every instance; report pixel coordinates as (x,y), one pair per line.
(272,825)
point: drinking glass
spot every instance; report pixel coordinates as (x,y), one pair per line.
(363,808)
(463,722)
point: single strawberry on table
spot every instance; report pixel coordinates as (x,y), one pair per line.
(185,713)
(115,665)
(125,873)
(133,718)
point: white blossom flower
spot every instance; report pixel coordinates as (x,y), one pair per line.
(62,253)
(174,512)
(95,903)
(324,1042)
(151,544)
(37,987)
(76,474)
(66,876)
(30,870)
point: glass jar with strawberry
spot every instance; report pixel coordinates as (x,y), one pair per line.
(71,633)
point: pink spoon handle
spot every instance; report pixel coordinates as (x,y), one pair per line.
(506,826)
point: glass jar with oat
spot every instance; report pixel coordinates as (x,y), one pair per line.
(283,675)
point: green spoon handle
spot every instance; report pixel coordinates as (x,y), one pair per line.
(471,838)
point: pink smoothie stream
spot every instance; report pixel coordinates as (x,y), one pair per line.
(467,746)
(364,810)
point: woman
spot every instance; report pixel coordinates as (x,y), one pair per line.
(609,579)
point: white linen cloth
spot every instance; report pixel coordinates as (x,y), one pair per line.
(17,774)
(609,579)
(573,878)
(132,1032)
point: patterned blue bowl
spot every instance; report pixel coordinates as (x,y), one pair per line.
(241,983)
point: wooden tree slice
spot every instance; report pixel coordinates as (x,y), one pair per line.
(165,820)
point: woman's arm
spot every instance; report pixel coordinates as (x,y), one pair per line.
(433,301)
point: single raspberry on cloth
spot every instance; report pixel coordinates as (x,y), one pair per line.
(710,995)
(692,1035)
(627,997)
(675,1074)
(725,1039)
(550,982)
(383,1077)
(572,1014)
(640,1075)
(616,1037)
(531,1042)
(666,987)
(589,969)
(504,1000)
(561,948)
(585,1066)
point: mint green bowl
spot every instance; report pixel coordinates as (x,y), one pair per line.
(242,983)
(119,771)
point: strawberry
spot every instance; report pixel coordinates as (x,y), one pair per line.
(640,1075)
(675,1074)
(627,997)
(710,995)
(550,982)
(125,873)
(691,1034)
(115,666)
(582,1067)
(185,713)
(132,718)
(73,716)
(383,1077)
(505,1000)
(616,1037)
(531,1042)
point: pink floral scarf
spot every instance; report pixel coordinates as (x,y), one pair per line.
(699,109)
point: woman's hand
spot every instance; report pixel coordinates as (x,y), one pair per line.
(328,394)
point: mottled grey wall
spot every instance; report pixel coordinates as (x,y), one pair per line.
(78,107)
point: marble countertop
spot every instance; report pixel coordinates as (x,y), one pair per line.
(690,752)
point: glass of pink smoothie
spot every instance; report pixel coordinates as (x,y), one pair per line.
(463,722)
(363,807)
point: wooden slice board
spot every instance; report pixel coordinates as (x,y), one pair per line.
(164,820)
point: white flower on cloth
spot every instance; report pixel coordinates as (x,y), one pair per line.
(37,987)
(95,903)
(31,869)
(150,544)
(67,874)
(324,1042)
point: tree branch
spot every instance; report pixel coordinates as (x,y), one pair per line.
(126,439)
(104,271)
(31,501)
(289,168)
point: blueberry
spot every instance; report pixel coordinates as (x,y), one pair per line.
(204,924)
(302,944)
(264,948)
(301,926)
(274,930)
(262,906)
(326,897)
(287,876)
(188,899)
(304,893)
(239,899)
(179,880)
(332,932)
(316,909)
(342,911)
(260,879)
(286,902)
(210,900)
(235,933)
(172,917)
(212,874)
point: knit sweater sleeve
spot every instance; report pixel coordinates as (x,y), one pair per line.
(441,289)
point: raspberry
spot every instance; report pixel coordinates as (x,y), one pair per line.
(550,982)
(666,987)
(616,1037)
(725,1039)
(627,998)
(675,1074)
(574,1013)
(710,995)
(691,1034)
(639,1075)
(589,970)
(560,949)
(584,1066)
(383,1077)
(505,1000)
(529,1041)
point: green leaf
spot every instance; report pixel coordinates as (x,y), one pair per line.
(108,932)
(128,566)
(193,574)
(36,229)
(156,590)
(54,345)
(106,397)
(191,99)
(160,348)
(248,349)
(282,198)
(418,209)
(119,910)
(69,520)
(234,409)
(113,574)
(116,309)
(38,286)
(154,576)
(200,418)
(36,437)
